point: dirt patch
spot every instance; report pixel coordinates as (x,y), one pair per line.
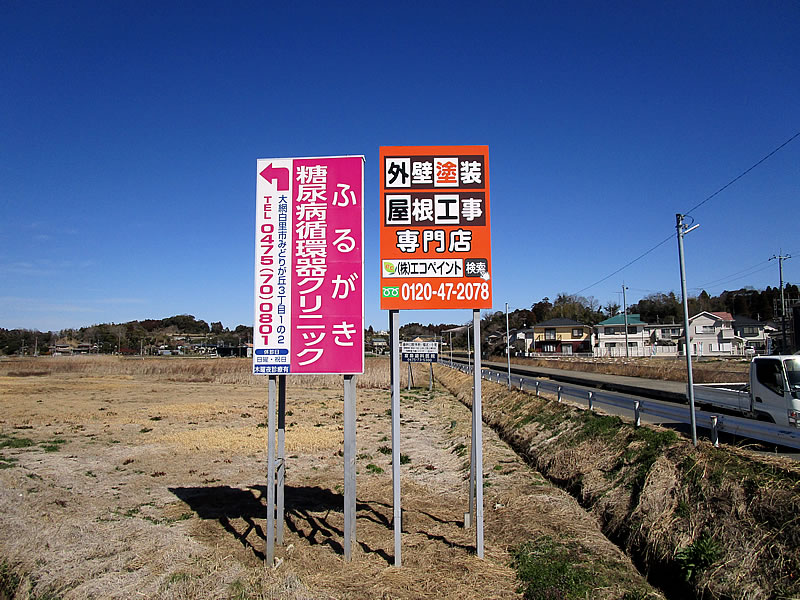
(136,484)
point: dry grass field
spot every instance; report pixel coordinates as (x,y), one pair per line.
(123,478)
(704,370)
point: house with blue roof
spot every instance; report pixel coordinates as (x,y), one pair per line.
(611,338)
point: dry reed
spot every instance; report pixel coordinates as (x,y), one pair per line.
(666,369)
(236,371)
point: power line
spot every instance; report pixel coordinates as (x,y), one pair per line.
(671,236)
(743,173)
(622,268)
(726,277)
(699,287)
(752,270)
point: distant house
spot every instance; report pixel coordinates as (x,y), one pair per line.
(663,338)
(496,338)
(556,336)
(379,345)
(61,350)
(611,340)
(712,334)
(754,333)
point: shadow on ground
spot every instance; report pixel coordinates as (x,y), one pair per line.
(243,512)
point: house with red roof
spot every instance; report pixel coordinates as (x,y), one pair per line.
(712,334)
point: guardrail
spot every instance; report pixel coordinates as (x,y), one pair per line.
(716,423)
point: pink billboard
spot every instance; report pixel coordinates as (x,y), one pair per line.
(309,266)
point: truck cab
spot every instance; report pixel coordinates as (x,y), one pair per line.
(775,388)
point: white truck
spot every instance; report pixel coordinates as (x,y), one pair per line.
(772,394)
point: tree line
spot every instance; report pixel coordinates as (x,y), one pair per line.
(127,338)
(658,307)
(654,308)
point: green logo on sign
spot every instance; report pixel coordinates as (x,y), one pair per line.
(391,292)
(388,267)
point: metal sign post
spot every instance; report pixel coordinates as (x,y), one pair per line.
(394,329)
(281,457)
(477,433)
(270,551)
(349,465)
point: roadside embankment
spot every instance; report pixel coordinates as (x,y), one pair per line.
(708,522)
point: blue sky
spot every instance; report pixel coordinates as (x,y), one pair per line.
(129,134)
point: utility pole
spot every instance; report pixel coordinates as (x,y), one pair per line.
(625,317)
(682,230)
(508,348)
(780,258)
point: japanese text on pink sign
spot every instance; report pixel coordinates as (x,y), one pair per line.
(309,295)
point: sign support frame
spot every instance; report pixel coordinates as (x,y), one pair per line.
(394,329)
(270,533)
(349,465)
(477,433)
(281,459)
(282,184)
(435,252)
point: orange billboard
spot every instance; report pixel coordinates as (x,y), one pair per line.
(436,249)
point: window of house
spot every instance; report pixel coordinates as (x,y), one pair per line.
(549,347)
(708,329)
(632,329)
(549,334)
(576,333)
(611,344)
(631,344)
(750,330)
(611,331)
(676,331)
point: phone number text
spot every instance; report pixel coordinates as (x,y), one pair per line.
(445,291)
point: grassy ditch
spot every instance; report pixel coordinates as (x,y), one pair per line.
(699,522)
(548,568)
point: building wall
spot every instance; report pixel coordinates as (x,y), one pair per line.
(712,337)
